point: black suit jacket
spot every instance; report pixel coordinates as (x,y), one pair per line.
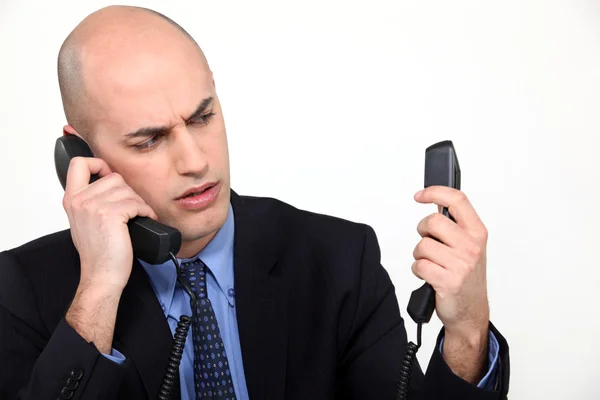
(317,313)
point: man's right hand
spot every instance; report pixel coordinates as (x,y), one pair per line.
(98,215)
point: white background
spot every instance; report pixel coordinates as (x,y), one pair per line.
(330,105)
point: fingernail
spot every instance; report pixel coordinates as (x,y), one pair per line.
(418,194)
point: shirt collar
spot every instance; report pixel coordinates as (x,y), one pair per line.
(218,257)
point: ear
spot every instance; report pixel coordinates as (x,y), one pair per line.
(69,130)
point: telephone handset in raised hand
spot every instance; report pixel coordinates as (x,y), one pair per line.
(151,241)
(441,169)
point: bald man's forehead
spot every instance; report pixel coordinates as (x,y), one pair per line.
(129,54)
(146,90)
(140,63)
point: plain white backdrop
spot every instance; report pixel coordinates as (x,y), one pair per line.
(329,105)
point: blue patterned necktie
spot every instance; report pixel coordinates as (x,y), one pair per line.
(211,369)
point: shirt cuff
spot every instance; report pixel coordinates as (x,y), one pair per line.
(488,382)
(115,356)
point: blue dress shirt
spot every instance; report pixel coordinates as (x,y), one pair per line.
(218,257)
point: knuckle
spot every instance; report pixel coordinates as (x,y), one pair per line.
(66,202)
(418,267)
(463,267)
(436,219)
(473,250)
(419,264)
(89,206)
(483,233)
(430,222)
(75,162)
(479,235)
(415,267)
(134,195)
(421,247)
(427,244)
(75,202)
(103,215)
(116,178)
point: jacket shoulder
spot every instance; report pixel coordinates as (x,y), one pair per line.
(319,225)
(320,239)
(45,249)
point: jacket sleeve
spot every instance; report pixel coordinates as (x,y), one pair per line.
(36,363)
(373,355)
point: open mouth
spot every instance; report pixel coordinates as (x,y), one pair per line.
(197,193)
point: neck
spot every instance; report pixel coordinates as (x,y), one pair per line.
(190,248)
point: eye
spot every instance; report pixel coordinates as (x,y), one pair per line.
(202,119)
(153,141)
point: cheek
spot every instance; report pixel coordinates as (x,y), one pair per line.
(220,147)
(150,185)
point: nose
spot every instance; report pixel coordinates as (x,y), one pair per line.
(188,154)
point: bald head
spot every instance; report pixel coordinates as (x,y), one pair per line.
(115,39)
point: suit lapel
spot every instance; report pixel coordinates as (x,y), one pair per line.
(261,301)
(142,333)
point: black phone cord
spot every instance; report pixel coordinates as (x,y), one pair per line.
(406,367)
(181,332)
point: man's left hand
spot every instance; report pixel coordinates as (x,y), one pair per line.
(455,266)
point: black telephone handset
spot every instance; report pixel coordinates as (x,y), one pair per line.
(441,169)
(151,241)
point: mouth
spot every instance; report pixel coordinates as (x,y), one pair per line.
(196,191)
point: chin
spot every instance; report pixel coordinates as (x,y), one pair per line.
(195,227)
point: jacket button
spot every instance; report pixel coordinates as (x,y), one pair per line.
(71,384)
(66,394)
(76,373)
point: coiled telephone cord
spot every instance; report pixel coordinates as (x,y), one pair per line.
(406,367)
(183,327)
(181,332)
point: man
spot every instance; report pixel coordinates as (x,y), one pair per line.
(290,304)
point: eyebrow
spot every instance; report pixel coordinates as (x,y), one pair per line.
(158,130)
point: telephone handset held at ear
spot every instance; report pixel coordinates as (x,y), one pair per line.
(151,241)
(441,169)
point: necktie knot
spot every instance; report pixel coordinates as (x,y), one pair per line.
(194,274)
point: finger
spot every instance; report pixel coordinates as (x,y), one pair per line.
(111,183)
(129,209)
(81,170)
(430,272)
(111,188)
(440,227)
(458,204)
(432,250)
(123,193)
(144,209)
